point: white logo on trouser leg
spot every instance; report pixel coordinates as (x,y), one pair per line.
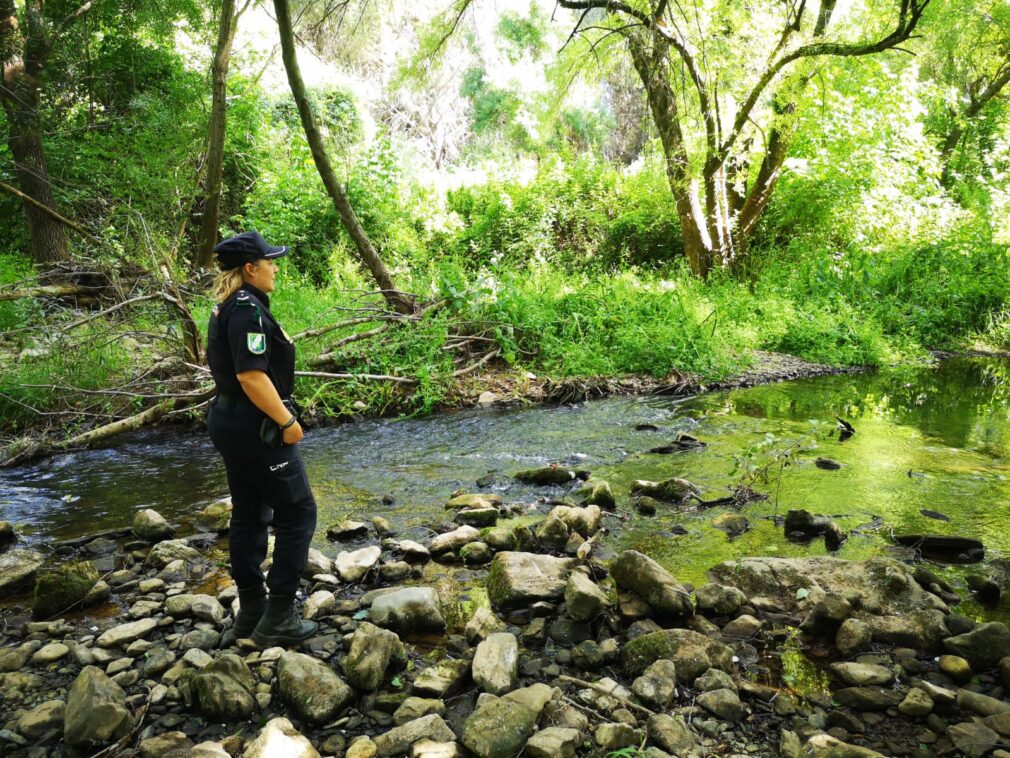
(279,466)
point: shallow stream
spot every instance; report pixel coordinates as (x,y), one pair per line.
(926,438)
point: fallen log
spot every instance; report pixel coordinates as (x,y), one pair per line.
(149,416)
(49,290)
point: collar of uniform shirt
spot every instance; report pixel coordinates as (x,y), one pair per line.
(260,295)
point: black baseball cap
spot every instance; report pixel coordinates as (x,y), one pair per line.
(247,247)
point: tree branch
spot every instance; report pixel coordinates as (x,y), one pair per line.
(910,13)
(50,212)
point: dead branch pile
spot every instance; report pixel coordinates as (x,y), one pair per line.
(85,309)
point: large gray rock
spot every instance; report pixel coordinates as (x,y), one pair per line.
(585,521)
(499,729)
(354,564)
(723,702)
(553,474)
(279,738)
(398,740)
(983,646)
(974,740)
(451,542)
(442,679)
(411,609)
(862,674)
(598,492)
(670,491)
(483,623)
(496,662)
(167,551)
(151,526)
(216,517)
(880,586)
(554,742)
(868,698)
(642,576)
(826,746)
(311,688)
(473,500)
(919,630)
(18,568)
(96,712)
(416,707)
(981,704)
(317,564)
(372,650)
(692,653)
(672,734)
(41,719)
(224,689)
(519,579)
(202,607)
(584,600)
(167,744)
(657,686)
(718,599)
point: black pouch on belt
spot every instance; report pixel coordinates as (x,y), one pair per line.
(270,431)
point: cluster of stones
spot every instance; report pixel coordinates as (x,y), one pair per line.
(574,656)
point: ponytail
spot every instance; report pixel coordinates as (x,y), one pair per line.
(226,283)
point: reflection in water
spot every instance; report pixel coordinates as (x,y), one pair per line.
(925,438)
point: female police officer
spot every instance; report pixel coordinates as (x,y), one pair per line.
(253,426)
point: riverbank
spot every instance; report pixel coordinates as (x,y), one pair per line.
(547,334)
(762,368)
(492,639)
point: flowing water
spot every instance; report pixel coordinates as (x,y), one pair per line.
(929,438)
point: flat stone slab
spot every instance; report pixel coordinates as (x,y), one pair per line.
(127,633)
(883,584)
(441,679)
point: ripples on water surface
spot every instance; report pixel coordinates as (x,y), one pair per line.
(926,438)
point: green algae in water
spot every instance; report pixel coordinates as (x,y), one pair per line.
(460,601)
(800,674)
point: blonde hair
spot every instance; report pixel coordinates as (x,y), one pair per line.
(228,281)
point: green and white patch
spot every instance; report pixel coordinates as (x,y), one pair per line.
(257,343)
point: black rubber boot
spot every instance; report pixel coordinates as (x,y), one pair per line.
(281,625)
(252,602)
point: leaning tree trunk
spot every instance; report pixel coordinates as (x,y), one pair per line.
(215,143)
(47,236)
(398,301)
(663,105)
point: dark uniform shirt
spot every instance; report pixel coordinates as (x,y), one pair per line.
(244,336)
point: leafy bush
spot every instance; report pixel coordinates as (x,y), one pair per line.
(585,216)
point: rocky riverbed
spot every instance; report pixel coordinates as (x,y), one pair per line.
(576,651)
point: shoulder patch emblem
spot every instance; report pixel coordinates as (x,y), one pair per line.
(257,343)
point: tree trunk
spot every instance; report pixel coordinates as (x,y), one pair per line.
(21,63)
(663,105)
(215,144)
(398,301)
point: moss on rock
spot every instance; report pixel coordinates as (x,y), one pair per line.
(62,587)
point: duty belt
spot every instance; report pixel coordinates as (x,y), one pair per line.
(225,401)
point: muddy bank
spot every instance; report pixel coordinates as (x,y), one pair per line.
(512,389)
(489,640)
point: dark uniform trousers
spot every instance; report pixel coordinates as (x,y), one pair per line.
(268,485)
